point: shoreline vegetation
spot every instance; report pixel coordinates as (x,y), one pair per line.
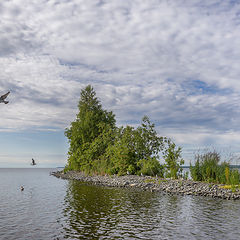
(99,148)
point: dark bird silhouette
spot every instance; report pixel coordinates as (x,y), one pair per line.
(3,97)
(33,162)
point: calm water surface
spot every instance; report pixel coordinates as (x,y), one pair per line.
(51,208)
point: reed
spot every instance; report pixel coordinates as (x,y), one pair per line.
(209,169)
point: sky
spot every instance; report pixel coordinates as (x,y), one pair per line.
(176,61)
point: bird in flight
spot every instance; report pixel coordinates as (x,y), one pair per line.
(3,97)
(33,162)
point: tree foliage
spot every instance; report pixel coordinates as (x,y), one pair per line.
(85,133)
(96,145)
(173,159)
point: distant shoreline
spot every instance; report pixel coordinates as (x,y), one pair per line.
(155,184)
(231,166)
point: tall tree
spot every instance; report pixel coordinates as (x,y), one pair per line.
(173,159)
(148,143)
(98,146)
(90,122)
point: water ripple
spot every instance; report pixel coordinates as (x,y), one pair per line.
(50,208)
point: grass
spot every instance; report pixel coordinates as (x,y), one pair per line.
(150,180)
(208,168)
(230,186)
(162,180)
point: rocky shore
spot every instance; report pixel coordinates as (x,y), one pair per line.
(179,186)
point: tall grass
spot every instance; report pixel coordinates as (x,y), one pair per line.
(209,169)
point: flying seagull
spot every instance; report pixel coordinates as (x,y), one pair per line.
(3,97)
(33,162)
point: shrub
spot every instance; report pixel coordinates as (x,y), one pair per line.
(234,177)
(150,167)
(207,168)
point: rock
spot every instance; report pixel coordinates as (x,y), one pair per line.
(170,186)
(132,185)
(125,184)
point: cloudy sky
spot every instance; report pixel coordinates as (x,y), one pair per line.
(176,61)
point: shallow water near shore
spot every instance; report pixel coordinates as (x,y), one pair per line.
(52,208)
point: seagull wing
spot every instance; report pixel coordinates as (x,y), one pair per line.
(4,96)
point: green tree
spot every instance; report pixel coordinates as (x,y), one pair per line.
(96,145)
(148,143)
(173,159)
(136,150)
(120,154)
(91,121)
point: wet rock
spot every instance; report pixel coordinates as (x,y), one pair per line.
(132,185)
(154,184)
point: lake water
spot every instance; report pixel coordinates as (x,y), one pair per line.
(52,208)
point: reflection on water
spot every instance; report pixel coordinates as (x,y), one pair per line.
(51,208)
(96,211)
(108,213)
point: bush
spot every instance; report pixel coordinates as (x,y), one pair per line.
(234,177)
(207,168)
(150,167)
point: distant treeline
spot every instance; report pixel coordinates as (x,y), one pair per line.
(230,166)
(98,146)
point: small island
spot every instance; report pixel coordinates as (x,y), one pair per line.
(102,153)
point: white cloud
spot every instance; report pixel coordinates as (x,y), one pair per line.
(176,61)
(39,97)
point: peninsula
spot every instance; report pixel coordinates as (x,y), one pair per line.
(156,184)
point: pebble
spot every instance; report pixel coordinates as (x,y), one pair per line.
(154,184)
